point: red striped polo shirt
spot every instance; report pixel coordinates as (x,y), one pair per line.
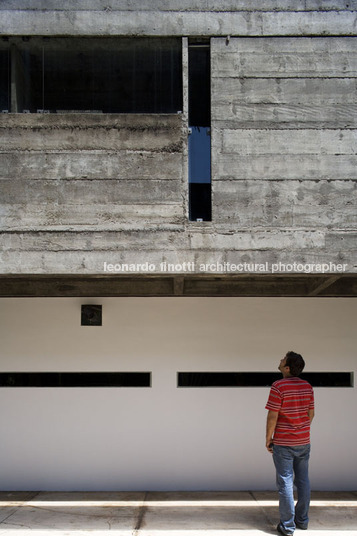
(292,397)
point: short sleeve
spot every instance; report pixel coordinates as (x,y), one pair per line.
(274,400)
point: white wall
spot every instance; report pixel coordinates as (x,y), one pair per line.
(163,437)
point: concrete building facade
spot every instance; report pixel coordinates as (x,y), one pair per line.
(191,168)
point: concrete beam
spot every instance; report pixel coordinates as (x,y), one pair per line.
(162,23)
(245,257)
(116,286)
(180,5)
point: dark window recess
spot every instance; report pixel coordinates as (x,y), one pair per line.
(75,379)
(200,201)
(199,80)
(4,78)
(199,140)
(91,315)
(104,75)
(259,379)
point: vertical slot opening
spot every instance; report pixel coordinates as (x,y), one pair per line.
(199,141)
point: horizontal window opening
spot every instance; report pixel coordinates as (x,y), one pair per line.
(75,379)
(259,379)
(185,379)
(102,75)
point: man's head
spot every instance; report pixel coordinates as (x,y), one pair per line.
(292,364)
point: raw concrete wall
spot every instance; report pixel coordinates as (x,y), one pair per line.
(284,144)
(175,17)
(82,183)
(82,190)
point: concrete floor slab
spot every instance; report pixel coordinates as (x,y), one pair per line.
(74,513)
(11,501)
(167,514)
(215,511)
(329,511)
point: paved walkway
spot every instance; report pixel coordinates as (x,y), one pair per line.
(167,514)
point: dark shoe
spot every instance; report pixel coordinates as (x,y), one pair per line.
(280,529)
(301,527)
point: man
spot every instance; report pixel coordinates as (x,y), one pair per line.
(290,412)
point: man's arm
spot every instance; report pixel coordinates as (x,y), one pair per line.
(272,419)
(311,414)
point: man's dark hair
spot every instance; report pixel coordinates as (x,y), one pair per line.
(295,362)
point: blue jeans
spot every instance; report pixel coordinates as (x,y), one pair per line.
(290,461)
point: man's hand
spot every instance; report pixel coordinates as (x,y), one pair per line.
(269,446)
